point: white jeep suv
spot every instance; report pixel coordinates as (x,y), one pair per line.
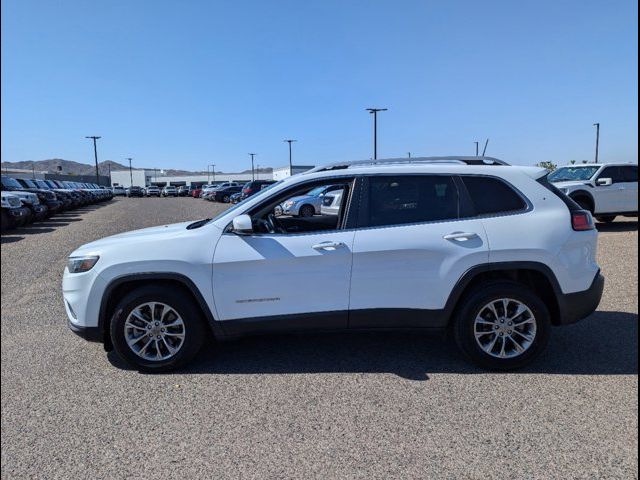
(492,252)
(606,190)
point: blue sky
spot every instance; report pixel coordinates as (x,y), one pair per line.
(183,84)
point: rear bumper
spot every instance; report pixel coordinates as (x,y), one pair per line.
(577,306)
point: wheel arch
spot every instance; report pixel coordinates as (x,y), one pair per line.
(126,283)
(537,276)
(586,195)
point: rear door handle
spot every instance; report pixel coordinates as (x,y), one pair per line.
(461,236)
(328,246)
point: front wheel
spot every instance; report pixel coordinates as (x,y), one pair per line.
(157,329)
(502,326)
(307,211)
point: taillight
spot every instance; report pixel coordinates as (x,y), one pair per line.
(582,220)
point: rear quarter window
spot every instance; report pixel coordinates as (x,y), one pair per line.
(492,196)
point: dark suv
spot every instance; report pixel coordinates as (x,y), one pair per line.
(255,186)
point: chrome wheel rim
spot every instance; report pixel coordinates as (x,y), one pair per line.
(154,331)
(505,328)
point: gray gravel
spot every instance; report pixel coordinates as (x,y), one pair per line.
(322,406)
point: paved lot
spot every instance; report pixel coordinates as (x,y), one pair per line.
(325,406)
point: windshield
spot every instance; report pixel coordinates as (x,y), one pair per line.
(240,204)
(10,182)
(566,174)
(42,184)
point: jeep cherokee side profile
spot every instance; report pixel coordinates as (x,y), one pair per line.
(492,252)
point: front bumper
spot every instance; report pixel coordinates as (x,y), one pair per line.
(578,306)
(91,334)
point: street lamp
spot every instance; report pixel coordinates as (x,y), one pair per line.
(252,171)
(477,148)
(95,153)
(375,111)
(130,172)
(597,125)
(213,170)
(290,161)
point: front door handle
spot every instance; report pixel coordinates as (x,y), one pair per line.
(330,246)
(461,236)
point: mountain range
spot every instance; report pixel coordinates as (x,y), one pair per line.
(69,167)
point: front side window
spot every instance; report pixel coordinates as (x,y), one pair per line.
(492,196)
(396,200)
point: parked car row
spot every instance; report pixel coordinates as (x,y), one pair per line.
(230,192)
(29,200)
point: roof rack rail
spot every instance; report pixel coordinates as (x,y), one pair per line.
(416,160)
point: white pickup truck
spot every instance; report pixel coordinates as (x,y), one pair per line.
(606,190)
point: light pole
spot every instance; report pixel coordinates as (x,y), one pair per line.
(409,154)
(375,111)
(95,154)
(130,172)
(213,170)
(290,160)
(252,171)
(110,182)
(477,148)
(597,125)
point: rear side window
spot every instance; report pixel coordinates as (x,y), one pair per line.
(396,200)
(493,196)
(630,174)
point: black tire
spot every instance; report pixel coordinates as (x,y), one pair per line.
(226,199)
(606,218)
(584,203)
(6,223)
(194,327)
(473,303)
(307,211)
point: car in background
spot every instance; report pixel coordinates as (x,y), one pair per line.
(309,204)
(135,191)
(195,191)
(46,197)
(14,214)
(169,191)
(183,191)
(236,198)
(152,191)
(331,203)
(64,197)
(206,189)
(224,194)
(253,187)
(607,190)
(118,190)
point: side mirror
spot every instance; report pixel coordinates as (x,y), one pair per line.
(242,225)
(604,182)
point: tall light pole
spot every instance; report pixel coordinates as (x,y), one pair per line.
(95,154)
(408,154)
(110,182)
(252,171)
(290,158)
(213,170)
(597,125)
(375,111)
(130,172)
(477,148)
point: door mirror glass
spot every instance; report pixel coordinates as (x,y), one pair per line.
(242,225)
(605,182)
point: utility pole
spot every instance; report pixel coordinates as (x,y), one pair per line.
(409,154)
(252,171)
(477,148)
(110,182)
(130,172)
(375,111)
(213,170)
(95,153)
(597,125)
(290,161)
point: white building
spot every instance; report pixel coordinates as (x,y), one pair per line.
(145,177)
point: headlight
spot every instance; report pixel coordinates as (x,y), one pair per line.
(81,264)
(288,204)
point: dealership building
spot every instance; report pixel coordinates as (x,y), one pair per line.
(146,177)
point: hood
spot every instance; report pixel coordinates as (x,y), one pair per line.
(571,183)
(155,233)
(302,198)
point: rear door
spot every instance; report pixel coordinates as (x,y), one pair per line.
(611,198)
(630,202)
(413,243)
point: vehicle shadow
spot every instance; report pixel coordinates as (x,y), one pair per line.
(33,229)
(604,344)
(9,238)
(618,227)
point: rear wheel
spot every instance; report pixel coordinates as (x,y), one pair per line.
(606,218)
(157,329)
(307,211)
(502,326)
(225,199)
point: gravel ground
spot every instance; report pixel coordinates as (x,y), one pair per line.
(321,406)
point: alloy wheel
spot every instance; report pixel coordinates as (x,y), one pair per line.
(154,331)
